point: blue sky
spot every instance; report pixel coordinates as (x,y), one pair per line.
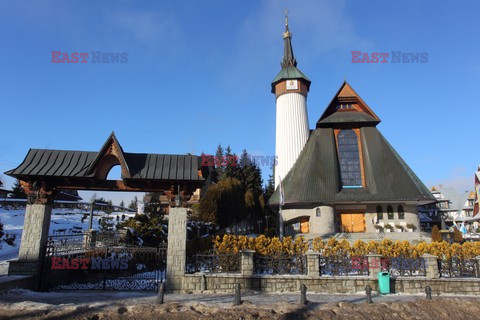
(199,73)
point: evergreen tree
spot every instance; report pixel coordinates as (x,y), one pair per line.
(17,191)
(105,206)
(122,204)
(223,203)
(153,205)
(106,225)
(133,204)
(150,229)
(270,215)
(219,159)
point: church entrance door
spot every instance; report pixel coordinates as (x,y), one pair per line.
(352,222)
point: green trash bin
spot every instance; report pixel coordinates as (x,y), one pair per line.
(384,282)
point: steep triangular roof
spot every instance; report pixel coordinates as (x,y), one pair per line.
(289,62)
(315,177)
(360,112)
(111,147)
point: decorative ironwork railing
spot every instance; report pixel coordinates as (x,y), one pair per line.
(405,267)
(281,264)
(214,263)
(343,265)
(70,244)
(458,268)
(81,262)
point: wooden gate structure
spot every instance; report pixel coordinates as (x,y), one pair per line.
(43,173)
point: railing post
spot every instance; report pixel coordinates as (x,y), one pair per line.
(303,295)
(368,292)
(90,238)
(203,283)
(246,262)
(313,264)
(161,292)
(428,292)
(431,266)
(238,298)
(477,262)
(374,265)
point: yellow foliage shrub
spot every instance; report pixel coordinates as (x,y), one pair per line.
(388,249)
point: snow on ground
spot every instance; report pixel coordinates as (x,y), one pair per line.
(64,221)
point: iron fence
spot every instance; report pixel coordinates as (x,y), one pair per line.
(405,267)
(458,268)
(280,264)
(343,265)
(80,262)
(214,263)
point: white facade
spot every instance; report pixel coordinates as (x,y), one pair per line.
(292,131)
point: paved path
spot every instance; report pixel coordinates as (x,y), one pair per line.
(218,300)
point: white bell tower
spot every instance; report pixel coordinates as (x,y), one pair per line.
(291,88)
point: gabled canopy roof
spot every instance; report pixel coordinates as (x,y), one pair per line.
(362,114)
(96,165)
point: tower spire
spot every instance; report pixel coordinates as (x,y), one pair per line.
(288,57)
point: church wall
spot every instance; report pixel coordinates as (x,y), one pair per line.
(322,225)
(411,217)
(325,223)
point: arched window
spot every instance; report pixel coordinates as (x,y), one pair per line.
(401,213)
(319,212)
(379,213)
(349,158)
(390,212)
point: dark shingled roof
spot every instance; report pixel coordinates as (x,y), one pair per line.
(348,117)
(315,177)
(287,73)
(68,164)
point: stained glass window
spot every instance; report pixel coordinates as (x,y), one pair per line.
(349,158)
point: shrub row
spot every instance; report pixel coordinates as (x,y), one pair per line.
(387,248)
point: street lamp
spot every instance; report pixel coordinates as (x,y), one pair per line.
(178,200)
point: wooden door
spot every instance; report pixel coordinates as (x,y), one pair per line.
(352,222)
(304,226)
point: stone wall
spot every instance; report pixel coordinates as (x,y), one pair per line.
(34,240)
(225,282)
(177,244)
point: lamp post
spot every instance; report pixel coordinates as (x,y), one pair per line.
(178,200)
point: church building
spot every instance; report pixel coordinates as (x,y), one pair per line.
(343,176)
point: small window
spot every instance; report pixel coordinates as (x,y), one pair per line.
(319,212)
(390,212)
(379,213)
(401,213)
(344,106)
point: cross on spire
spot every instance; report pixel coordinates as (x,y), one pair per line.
(288,57)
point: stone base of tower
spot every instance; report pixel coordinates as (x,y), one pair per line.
(354,222)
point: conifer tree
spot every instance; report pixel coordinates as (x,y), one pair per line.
(17,191)
(219,158)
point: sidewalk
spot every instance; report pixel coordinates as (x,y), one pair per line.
(25,304)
